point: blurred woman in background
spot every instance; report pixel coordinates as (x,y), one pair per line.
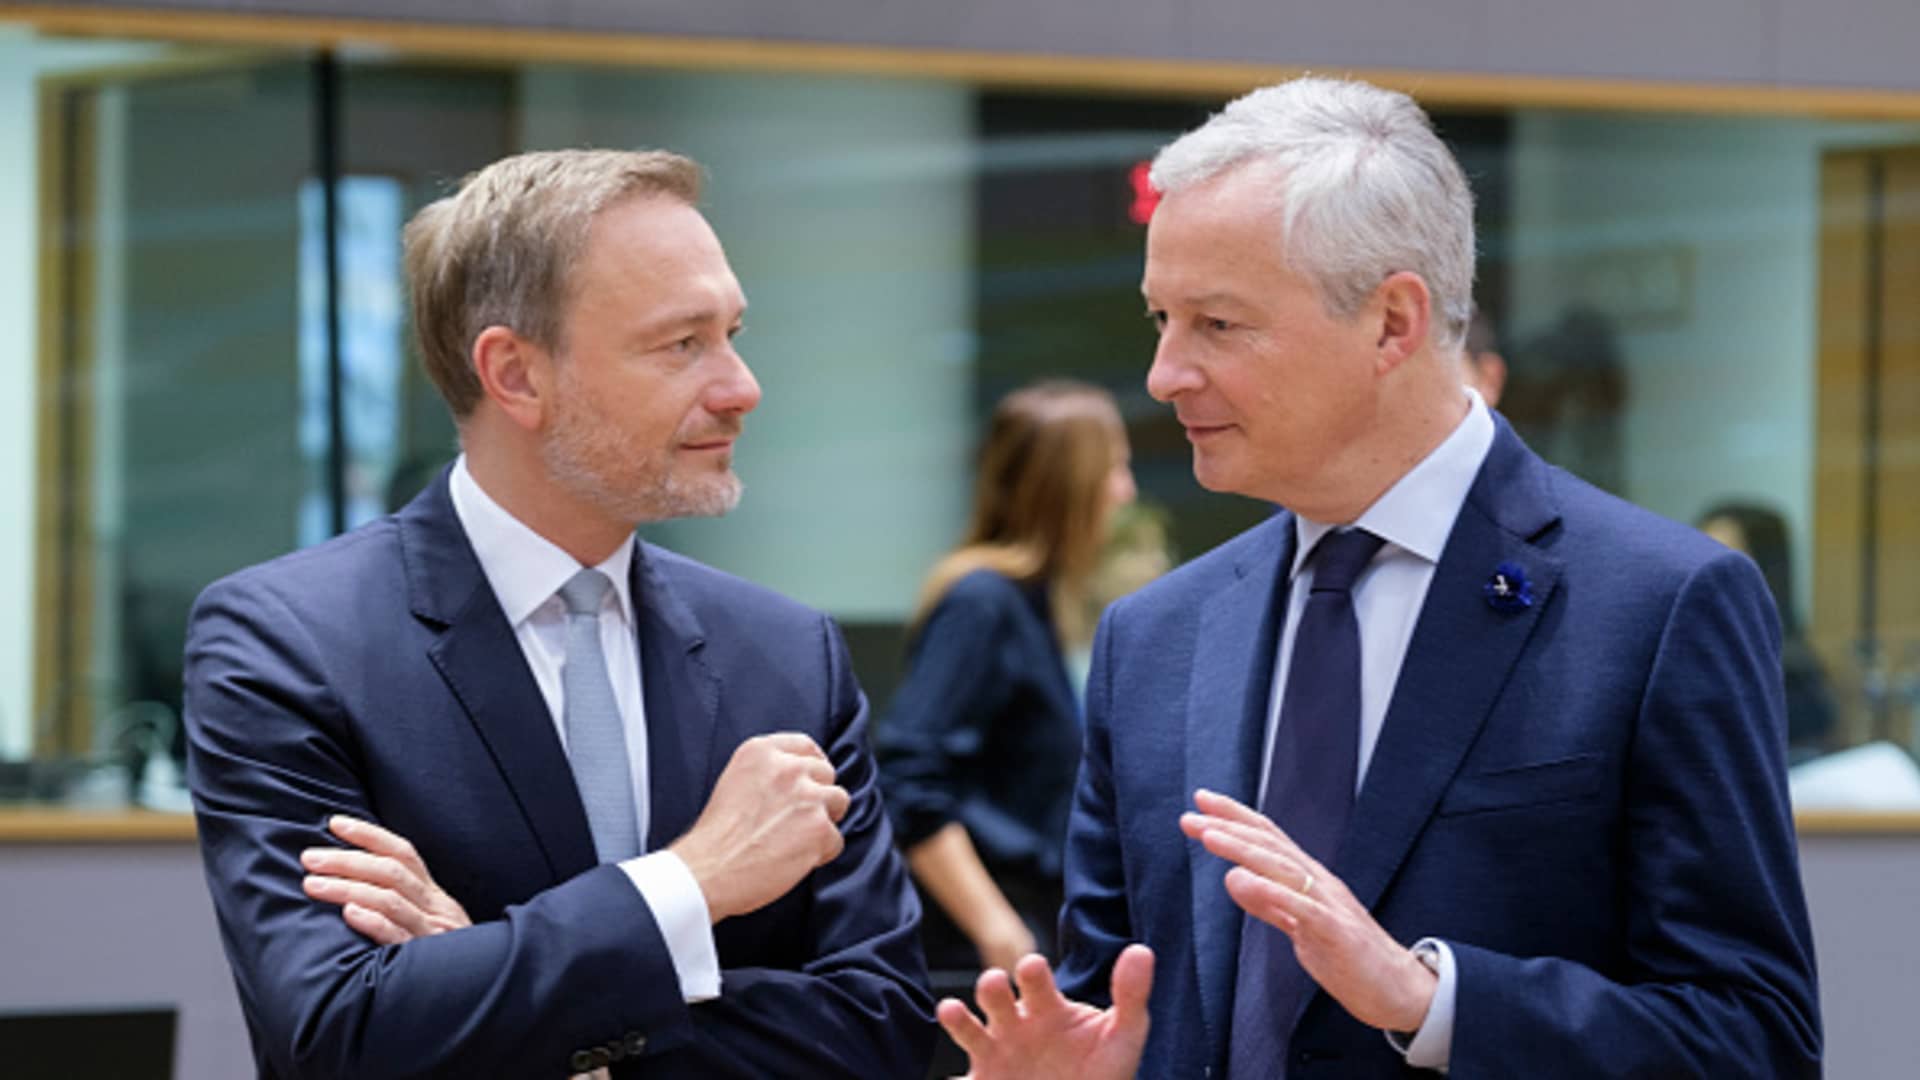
(1760,532)
(979,750)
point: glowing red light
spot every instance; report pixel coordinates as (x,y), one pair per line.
(1144,197)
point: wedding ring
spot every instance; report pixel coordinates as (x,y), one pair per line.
(1307,885)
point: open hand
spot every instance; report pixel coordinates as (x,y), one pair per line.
(1044,1035)
(1336,939)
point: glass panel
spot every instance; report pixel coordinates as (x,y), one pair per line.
(372,293)
(1684,329)
(1693,311)
(163,188)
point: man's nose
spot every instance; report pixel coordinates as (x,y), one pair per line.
(737,391)
(1171,375)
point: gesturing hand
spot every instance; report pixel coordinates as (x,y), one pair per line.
(1336,939)
(1045,1035)
(383,889)
(773,818)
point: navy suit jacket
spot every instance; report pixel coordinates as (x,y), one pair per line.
(376,675)
(1585,797)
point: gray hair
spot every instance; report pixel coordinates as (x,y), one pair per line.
(1369,189)
(501,250)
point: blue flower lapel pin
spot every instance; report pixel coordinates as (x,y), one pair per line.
(1508,590)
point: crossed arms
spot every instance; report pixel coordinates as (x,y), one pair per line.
(277,750)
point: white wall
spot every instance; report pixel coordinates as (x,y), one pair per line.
(1721,393)
(845,206)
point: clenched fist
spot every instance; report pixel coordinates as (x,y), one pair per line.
(773,818)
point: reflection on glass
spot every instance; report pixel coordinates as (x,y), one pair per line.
(371,210)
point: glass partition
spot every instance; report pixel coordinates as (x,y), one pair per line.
(1708,315)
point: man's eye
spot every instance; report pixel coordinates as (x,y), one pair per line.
(687,344)
(735,331)
(1158,319)
(1218,326)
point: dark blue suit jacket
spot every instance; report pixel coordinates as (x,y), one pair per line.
(376,675)
(1585,797)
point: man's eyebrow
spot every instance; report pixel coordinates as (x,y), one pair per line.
(1203,300)
(692,315)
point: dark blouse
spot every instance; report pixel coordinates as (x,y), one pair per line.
(985,729)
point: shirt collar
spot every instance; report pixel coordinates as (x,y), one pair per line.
(524,568)
(1417,513)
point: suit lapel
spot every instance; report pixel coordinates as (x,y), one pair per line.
(1227,695)
(1462,652)
(478,656)
(682,699)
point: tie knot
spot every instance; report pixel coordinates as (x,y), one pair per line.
(1340,557)
(583,592)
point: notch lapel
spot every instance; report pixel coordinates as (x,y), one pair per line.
(682,699)
(1460,657)
(478,656)
(1227,696)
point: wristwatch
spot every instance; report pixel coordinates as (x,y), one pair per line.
(1427,953)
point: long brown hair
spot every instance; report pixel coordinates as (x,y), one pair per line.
(1039,499)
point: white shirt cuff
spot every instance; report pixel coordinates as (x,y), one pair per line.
(1432,1046)
(680,910)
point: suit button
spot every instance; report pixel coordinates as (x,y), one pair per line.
(636,1044)
(581,1061)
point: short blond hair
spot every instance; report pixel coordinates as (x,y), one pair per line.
(500,251)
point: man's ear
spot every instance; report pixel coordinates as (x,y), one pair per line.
(515,374)
(1403,310)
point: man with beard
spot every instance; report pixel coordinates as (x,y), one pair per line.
(600,805)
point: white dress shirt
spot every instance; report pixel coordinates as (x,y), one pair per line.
(526,571)
(1414,517)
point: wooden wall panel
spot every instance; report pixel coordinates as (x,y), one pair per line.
(1838,492)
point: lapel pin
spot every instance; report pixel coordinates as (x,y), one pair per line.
(1507,590)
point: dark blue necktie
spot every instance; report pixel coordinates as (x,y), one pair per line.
(1310,782)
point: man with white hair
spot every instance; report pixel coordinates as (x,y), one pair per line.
(1456,763)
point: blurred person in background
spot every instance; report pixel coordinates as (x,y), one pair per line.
(1761,534)
(978,750)
(1484,369)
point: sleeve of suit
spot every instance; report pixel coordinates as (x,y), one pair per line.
(1095,924)
(1717,980)
(582,964)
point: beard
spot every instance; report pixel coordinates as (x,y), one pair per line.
(596,461)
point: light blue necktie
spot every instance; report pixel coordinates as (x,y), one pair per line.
(596,739)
